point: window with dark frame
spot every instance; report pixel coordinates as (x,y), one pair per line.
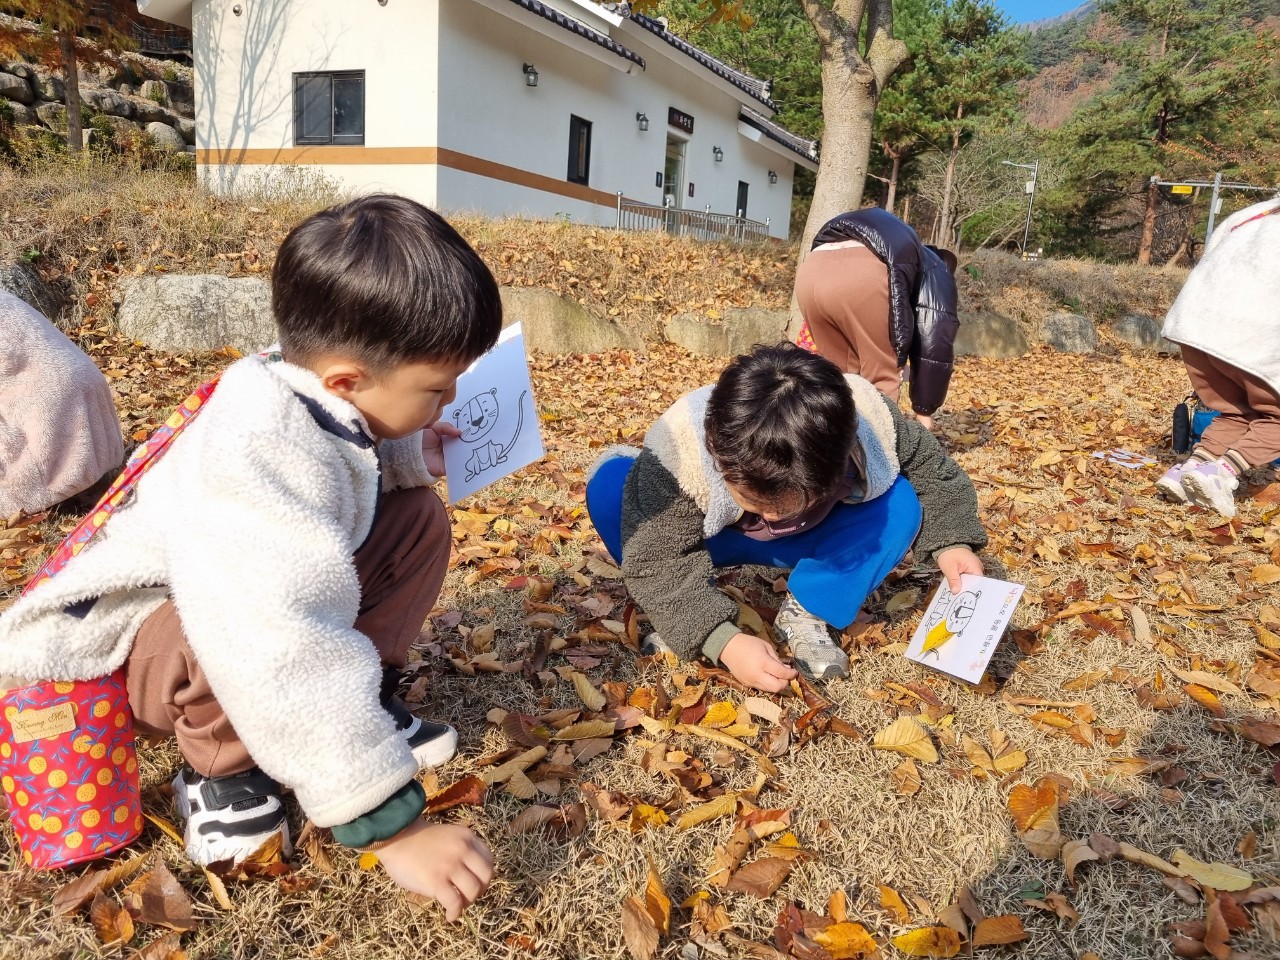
(328,107)
(579,150)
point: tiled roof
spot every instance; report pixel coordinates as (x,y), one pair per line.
(779,134)
(581,29)
(758,89)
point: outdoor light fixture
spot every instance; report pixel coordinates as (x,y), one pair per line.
(773,177)
(717,153)
(642,122)
(530,75)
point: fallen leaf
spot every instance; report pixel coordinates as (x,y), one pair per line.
(562,822)
(1135,855)
(905,735)
(165,948)
(643,816)
(891,901)
(763,709)
(906,778)
(1216,933)
(586,729)
(1206,698)
(722,806)
(608,804)
(994,931)
(720,714)
(639,932)
(1265,573)
(591,698)
(157,898)
(1035,814)
(1265,732)
(469,791)
(901,601)
(80,891)
(1220,876)
(928,942)
(760,878)
(1210,680)
(1074,853)
(111,922)
(847,941)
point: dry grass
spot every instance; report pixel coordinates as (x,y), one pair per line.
(566,898)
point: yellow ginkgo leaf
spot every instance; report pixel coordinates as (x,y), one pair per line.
(938,634)
(929,942)
(368,861)
(720,714)
(1220,876)
(906,736)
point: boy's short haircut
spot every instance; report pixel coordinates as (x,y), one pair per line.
(384,279)
(780,420)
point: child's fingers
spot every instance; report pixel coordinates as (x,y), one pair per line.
(468,884)
(452,901)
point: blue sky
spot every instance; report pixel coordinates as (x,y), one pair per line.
(1023,11)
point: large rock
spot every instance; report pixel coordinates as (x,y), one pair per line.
(23,282)
(107,101)
(23,115)
(987,334)
(740,329)
(185,127)
(49,87)
(112,132)
(53,116)
(554,324)
(16,89)
(148,111)
(197,312)
(155,90)
(166,138)
(1069,333)
(1142,333)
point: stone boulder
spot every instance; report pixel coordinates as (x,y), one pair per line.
(1143,334)
(156,91)
(555,324)
(23,115)
(1069,333)
(185,127)
(23,282)
(112,132)
(740,329)
(16,89)
(197,312)
(107,101)
(49,87)
(988,334)
(147,111)
(53,116)
(166,138)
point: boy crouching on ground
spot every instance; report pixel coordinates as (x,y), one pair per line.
(264,586)
(784,462)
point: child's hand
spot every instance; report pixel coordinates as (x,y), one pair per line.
(925,420)
(433,445)
(445,861)
(954,561)
(756,663)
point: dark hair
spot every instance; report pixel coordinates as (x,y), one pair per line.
(946,256)
(781,420)
(386,280)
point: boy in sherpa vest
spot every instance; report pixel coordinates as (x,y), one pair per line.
(264,583)
(784,462)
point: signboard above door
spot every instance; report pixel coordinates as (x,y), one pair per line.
(680,120)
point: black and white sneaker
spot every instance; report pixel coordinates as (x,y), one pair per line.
(229,818)
(432,743)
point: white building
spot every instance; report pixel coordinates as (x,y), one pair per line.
(506,107)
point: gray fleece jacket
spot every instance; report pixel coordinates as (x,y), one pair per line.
(674,499)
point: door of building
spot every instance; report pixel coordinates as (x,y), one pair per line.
(673,182)
(741,208)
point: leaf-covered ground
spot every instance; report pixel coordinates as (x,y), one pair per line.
(1111,777)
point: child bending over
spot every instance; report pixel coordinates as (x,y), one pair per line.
(264,585)
(784,462)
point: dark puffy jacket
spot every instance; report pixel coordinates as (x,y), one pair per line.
(922,299)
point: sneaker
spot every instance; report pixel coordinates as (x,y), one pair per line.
(1171,483)
(432,743)
(654,646)
(229,818)
(816,652)
(1212,484)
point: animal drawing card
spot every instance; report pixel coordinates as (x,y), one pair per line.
(495,411)
(959,632)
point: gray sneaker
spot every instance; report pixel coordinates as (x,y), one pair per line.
(654,646)
(816,652)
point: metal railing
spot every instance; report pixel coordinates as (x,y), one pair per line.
(699,224)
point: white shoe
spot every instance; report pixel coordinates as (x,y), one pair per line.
(1171,483)
(231,817)
(1212,484)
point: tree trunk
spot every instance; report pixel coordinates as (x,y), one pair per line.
(893,181)
(1148,225)
(946,215)
(71,70)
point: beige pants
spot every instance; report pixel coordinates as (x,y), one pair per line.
(1249,420)
(844,295)
(401,568)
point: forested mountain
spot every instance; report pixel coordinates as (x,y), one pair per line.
(1103,98)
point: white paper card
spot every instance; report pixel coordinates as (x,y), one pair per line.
(959,632)
(497,416)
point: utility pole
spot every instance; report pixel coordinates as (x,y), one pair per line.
(1034,167)
(1187,188)
(1214,205)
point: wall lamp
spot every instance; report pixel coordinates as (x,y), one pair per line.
(642,122)
(530,75)
(773,177)
(717,153)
